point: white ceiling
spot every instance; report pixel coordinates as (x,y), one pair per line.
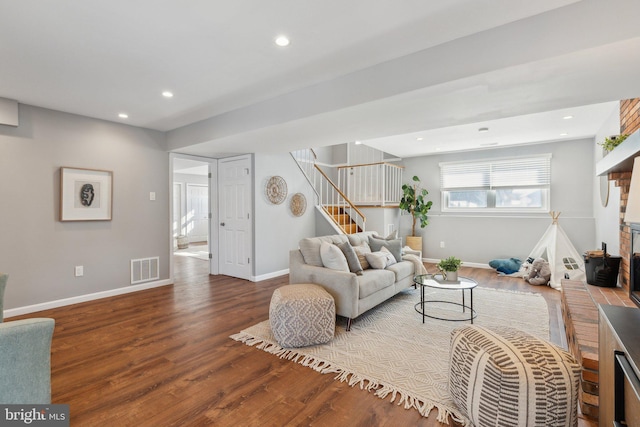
(355,70)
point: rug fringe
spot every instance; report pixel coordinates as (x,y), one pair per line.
(352,379)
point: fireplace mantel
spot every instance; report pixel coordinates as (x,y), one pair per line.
(621,158)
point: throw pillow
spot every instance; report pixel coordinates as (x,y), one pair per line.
(352,258)
(394,246)
(377,260)
(361,250)
(392,236)
(506,266)
(332,257)
(390,258)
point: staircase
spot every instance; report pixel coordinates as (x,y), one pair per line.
(343,220)
(344,214)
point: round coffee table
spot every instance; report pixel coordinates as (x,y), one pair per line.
(436,281)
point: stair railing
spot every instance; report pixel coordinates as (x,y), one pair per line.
(341,210)
(329,197)
(306,161)
(372,184)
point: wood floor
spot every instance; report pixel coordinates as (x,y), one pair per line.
(163,357)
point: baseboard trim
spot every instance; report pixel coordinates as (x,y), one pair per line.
(464,263)
(269,275)
(84,298)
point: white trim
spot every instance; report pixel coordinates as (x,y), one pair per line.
(498,159)
(84,298)
(269,275)
(465,263)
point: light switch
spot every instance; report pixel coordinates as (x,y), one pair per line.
(79,270)
(152,195)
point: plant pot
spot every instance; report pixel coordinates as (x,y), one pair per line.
(452,276)
(415,242)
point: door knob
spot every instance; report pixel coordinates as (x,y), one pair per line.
(222,224)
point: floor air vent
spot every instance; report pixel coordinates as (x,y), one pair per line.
(144,270)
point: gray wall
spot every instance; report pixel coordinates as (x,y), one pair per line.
(477,238)
(38,251)
(607,217)
(277,230)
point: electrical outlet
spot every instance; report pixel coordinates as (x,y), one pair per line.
(79,270)
(152,195)
(442,244)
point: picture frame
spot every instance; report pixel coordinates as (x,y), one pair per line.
(85,194)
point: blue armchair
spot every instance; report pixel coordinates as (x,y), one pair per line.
(25,361)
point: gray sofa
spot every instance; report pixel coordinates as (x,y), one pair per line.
(353,294)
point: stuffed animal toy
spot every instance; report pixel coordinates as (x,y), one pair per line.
(539,272)
(506,266)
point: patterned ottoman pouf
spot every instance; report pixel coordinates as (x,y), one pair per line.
(302,315)
(506,377)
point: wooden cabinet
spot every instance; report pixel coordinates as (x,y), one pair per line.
(619,360)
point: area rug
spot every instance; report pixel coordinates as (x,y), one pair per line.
(390,352)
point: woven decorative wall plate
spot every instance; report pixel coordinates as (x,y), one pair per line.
(298,204)
(276,190)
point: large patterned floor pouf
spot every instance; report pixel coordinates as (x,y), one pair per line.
(302,315)
(506,377)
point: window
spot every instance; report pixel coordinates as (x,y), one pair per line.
(501,185)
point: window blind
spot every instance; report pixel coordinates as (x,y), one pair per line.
(513,173)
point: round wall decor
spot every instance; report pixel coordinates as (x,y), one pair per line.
(298,204)
(276,190)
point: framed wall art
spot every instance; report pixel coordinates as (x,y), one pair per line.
(85,194)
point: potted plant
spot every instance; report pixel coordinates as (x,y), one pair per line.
(449,268)
(413,202)
(612,142)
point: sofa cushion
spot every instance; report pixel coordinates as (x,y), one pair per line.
(376,260)
(402,270)
(361,251)
(332,257)
(390,258)
(358,239)
(394,246)
(352,257)
(372,281)
(310,247)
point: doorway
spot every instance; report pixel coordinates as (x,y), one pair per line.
(190,208)
(212,212)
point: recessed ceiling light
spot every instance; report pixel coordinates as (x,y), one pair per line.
(489,144)
(282,41)
(569,117)
(358,142)
(419,138)
(564,134)
(167,94)
(123,115)
(483,130)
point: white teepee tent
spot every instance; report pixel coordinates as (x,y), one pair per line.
(564,260)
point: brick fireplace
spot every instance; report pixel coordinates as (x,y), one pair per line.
(580,301)
(629,123)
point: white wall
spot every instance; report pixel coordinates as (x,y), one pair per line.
(607,218)
(183,179)
(479,238)
(277,230)
(38,251)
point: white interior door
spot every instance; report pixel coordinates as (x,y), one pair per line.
(198,212)
(235,229)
